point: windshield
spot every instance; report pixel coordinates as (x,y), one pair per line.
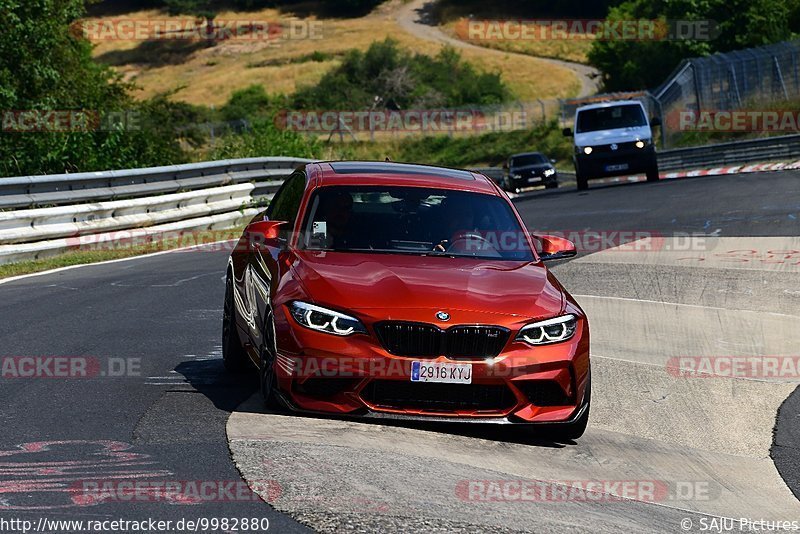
(528,159)
(611,118)
(420,221)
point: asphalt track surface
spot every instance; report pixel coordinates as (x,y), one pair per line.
(164,311)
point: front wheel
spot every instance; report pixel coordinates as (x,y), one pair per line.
(267,378)
(233,354)
(652,173)
(583,181)
(551,185)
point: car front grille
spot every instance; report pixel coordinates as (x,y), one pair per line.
(410,339)
(606,149)
(420,340)
(401,395)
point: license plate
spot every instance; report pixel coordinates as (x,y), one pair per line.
(533,179)
(620,167)
(442,373)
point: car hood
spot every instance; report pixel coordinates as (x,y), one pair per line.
(353,281)
(618,135)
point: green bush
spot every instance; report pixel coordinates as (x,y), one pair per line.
(249,103)
(265,139)
(402,80)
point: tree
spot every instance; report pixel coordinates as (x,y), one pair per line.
(46,67)
(644,64)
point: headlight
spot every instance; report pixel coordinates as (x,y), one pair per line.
(550,331)
(587,150)
(516,176)
(549,172)
(324,320)
(642,143)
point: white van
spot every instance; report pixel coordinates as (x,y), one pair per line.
(613,139)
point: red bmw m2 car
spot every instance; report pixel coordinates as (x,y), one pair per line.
(399,291)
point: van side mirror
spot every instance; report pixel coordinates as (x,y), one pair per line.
(655,121)
(567,132)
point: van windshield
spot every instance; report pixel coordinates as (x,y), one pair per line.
(611,118)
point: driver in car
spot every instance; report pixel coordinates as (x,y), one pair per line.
(459,224)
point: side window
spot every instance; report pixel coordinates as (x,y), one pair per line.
(286,204)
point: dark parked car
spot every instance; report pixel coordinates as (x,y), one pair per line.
(528,170)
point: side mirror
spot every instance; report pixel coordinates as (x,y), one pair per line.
(264,234)
(567,132)
(505,166)
(556,248)
(655,121)
(553,161)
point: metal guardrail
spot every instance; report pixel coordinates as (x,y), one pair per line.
(47,215)
(64,189)
(738,152)
(764,150)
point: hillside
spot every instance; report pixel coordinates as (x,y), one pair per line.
(209,72)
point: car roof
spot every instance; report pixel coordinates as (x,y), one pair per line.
(610,104)
(527,154)
(344,173)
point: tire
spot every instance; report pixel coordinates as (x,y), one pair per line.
(583,181)
(652,173)
(576,429)
(233,354)
(267,379)
(551,185)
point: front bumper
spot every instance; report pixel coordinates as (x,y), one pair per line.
(618,163)
(531,180)
(356,377)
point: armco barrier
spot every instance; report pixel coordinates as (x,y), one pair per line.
(764,150)
(783,148)
(24,226)
(54,247)
(45,215)
(65,189)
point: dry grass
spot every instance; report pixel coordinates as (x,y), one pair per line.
(210,74)
(575,49)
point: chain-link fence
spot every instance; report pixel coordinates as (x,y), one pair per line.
(741,80)
(754,79)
